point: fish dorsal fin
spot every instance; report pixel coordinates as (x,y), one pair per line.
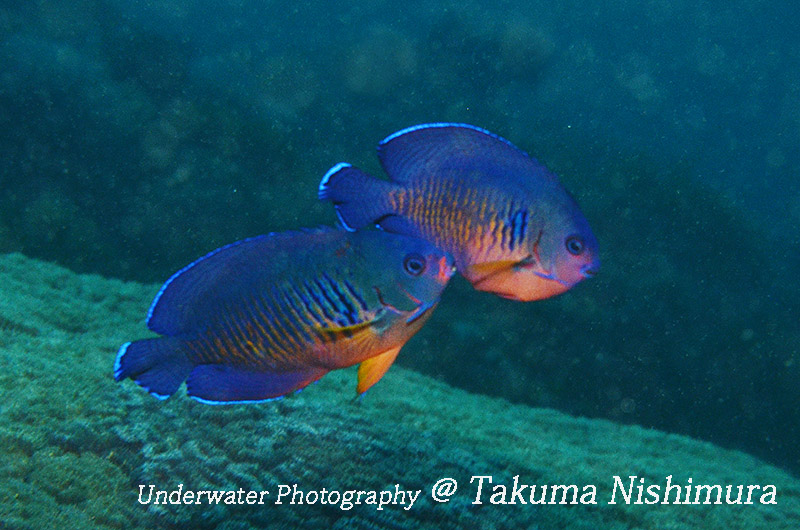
(371,370)
(454,150)
(228,274)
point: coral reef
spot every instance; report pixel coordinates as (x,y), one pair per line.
(75,446)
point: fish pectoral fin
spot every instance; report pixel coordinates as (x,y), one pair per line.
(499,277)
(483,271)
(371,370)
(490,268)
(338,332)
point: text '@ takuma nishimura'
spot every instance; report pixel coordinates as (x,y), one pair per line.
(482,489)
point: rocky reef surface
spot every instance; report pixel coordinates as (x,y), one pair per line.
(75,446)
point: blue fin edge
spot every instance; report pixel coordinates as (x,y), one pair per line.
(252,401)
(118,370)
(245,402)
(437,125)
(323,184)
(323,187)
(118,360)
(189,266)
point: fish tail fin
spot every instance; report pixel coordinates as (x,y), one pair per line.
(157,365)
(359,198)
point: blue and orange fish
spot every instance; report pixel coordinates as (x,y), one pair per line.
(266,316)
(510,225)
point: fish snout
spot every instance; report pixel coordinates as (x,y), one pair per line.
(589,270)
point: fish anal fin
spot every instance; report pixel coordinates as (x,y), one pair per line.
(219,384)
(371,370)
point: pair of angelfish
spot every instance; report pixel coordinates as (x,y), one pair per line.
(266,316)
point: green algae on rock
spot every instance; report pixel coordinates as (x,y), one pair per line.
(75,447)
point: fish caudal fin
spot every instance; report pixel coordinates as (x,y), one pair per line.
(157,365)
(359,199)
(371,370)
(218,384)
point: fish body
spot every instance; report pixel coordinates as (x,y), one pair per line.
(510,225)
(267,316)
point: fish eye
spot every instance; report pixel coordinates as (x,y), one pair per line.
(574,245)
(414,264)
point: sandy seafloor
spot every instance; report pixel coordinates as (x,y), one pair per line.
(75,445)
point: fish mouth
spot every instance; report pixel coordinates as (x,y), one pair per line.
(590,269)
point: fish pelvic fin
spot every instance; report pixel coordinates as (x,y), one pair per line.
(371,370)
(359,198)
(503,278)
(497,276)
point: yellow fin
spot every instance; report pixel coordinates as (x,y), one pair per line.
(371,370)
(492,267)
(500,277)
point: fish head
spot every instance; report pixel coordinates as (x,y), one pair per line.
(566,250)
(410,273)
(558,252)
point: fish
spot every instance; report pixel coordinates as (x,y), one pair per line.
(510,225)
(264,317)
